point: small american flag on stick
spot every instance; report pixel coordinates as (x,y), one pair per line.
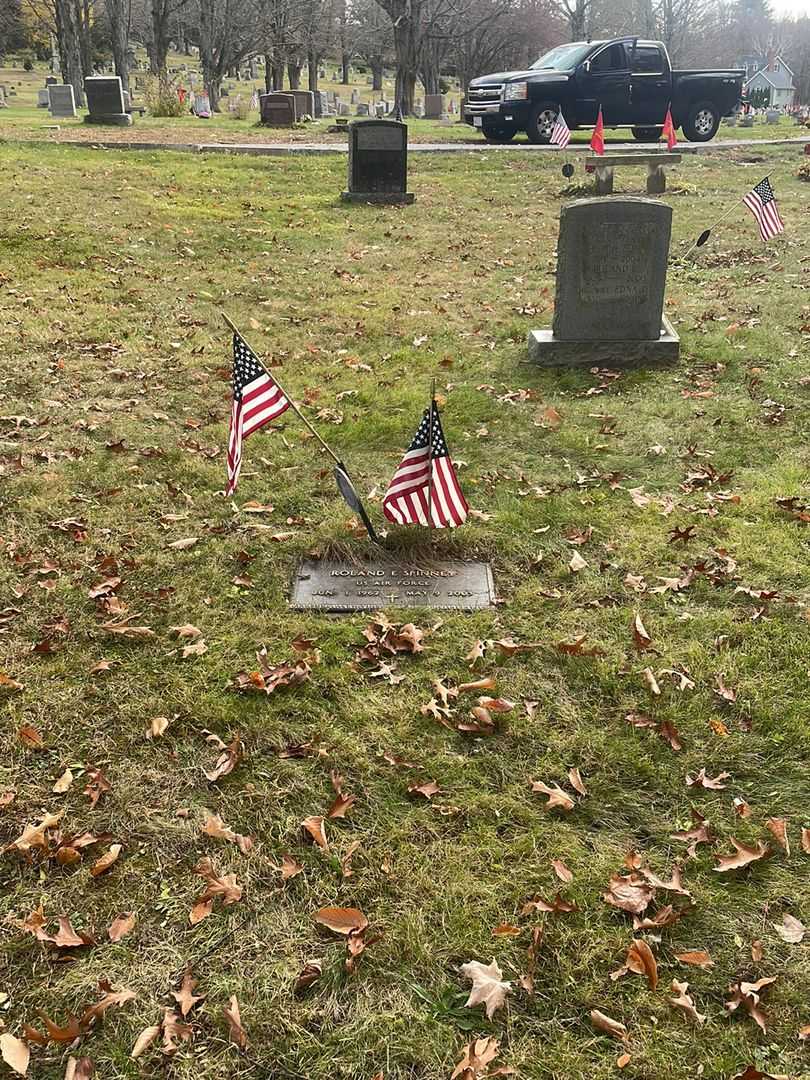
(424,489)
(257,400)
(761,201)
(561,133)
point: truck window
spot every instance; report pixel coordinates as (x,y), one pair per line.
(647,60)
(611,58)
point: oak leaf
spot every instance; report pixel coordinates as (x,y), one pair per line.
(745,855)
(477,1057)
(185,996)
(557,798)
(684,1002)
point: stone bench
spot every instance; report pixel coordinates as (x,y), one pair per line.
(604,165)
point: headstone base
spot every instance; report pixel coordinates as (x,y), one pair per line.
(390,198)
(114,119)
(548,351)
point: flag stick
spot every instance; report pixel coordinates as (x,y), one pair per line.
(723,217)
(293,406)
(430,454)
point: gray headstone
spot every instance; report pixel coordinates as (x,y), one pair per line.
(51,80)
(105,101)
(61,101)
(612,258)
(434,106)
(277,110)
(337,586)
(362,109)
(42,98)
(355,97)
(378,162)
(321,103)
(304,103)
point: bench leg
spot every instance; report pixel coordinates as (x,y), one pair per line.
(604,180)
(656,180)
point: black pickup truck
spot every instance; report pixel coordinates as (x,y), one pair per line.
(632,80)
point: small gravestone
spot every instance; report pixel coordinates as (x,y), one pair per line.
(378,162)
(343,109)
(105,101)
(304,103)
(42,98)
(321,104)
(61,102)
(51,80)
(773,116)
(612,258)
(277,110)
(434,106)
(747,121)
(362,109)
(355,97)
(339,586)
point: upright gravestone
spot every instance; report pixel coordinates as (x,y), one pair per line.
(321,104)
(378,162)
(42,97)
(51,80)
(105,101)
(611,274)
(277,110)
(304,103)
(434,106)
(61,102)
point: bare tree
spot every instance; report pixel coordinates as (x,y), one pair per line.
(227,35)
(119,15)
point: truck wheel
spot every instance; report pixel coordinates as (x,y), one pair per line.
(702,122)
(541,122)
(499,134)
(646,134)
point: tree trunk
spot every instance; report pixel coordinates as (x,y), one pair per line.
(278,75)
(118,16)
(83,22)
(294,73)
(67,36)
(377,75)
(312,70)
(406,47)
(160,37)
(345,63)
(268,73)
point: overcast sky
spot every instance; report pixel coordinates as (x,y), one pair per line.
(790,7)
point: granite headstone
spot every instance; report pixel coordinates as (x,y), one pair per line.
(61,101)
(105,101)
(612,258)
(378,162)
(434,106)
(277,110)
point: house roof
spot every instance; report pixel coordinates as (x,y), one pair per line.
(779,80)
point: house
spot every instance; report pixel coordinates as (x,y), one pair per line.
(775,78)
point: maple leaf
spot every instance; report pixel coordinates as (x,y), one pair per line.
(684,1002)
(109,999)
(745,855)
(475,1061)
(488,987)
(557,798)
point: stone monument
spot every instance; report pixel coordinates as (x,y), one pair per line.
(434,106)
(277,110)
(611,273)
(105,101)
(304,103)
(378,162)
(61,102)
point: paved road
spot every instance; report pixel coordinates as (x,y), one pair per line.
(291,149)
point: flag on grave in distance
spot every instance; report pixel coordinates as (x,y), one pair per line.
(256,401)
(561,135)
(598,137)
(761,201)
(254,101)
(411,489)
(668,130)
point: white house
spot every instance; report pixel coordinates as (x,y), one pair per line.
(777,79)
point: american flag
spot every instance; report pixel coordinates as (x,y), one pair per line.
(406,500)
(561,135)
(761,201)
(256,401)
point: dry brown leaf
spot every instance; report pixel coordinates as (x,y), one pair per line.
(806,841)
(749,996)
(174,1032)
(476,654)
(126,630)
(651,681)
(477,1057)
(289,867)
(30,737)
(602,1022)
(557,798)
(97,784)
(640,961)
(228,760)
(314,827)
(576,782)
(225,888)
(236,1033)
(185,996)
(7,683)
(562,871)
(341,920)
(577,563)
(696,957)
(745,855)
(630,892)
(121,925)
(642,639)
(778,828)
(63,783)
(684,1002)
(109,999)
(488,987)
(145,1040)
(102,865)
(790,930)
(426,790)
(158,726)
(711,783)
(15,1053)
(79,1068)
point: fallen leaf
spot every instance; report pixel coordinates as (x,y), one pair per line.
(289,867)
(629,893)
(642,639)
(100,866)
(790,930)
(712,783)
(684,1002)
(778,828)
(562,871)
(185,996)
(313,825)
(30,737)
(475,1061)
(557,798)
(608,1025)
(696,957)
(79,1068)
(487,986)
(748,995)
(121,925)
(227,761)
(15,1053)
(236,1033)
(63,783)
(341,920)
(576,782)
(744,857)
(640,961)
(145,1040)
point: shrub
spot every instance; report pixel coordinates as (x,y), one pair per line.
(161,97)
(804,171)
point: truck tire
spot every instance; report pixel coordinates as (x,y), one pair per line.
(498,133)
(702,122)
(541,122)
(646,134)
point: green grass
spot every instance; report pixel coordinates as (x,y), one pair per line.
(114,413)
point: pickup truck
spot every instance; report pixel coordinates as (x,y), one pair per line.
(632,80)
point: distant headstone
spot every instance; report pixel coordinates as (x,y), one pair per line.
(61,101)
(304,103)
(3,102)
(202,106)
(362,109)
(747,121)
(355,97)
(277,110)
(51,80)
(321,103)
(773,116)
(105,101)
(343,109)
(378,162)
(611,274)
(434,106)
(42,98)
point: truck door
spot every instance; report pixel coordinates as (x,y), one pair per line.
(650,85)
(604,80)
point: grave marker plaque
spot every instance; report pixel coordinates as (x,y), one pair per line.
(61,102)
(105,101)
(378,162)
(339,586)
(611,273)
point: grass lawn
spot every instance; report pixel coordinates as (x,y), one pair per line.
(665,484)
